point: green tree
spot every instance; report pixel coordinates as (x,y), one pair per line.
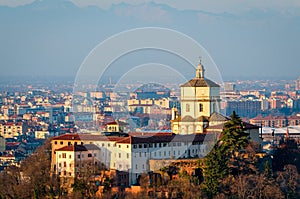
(216,163)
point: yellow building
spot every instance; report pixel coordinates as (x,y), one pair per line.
(12,129)
(200,98)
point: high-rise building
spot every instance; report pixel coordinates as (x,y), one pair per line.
(244,108)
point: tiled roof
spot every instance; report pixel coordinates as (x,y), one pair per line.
(200,82)
(90,137)
(169,138)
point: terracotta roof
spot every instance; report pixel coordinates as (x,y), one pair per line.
(200,82)
(90,137)
(169,138)
(112,123)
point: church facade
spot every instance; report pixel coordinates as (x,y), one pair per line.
(199,99)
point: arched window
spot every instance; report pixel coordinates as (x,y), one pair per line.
(200,107)
(187,108)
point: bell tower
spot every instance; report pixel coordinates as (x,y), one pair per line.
(199,98)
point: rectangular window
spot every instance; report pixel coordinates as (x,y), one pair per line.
(120,155)
(64,155)
(65,164)
(200,107)
(61,143)
(127,155)
(95,154)
(70,156)
(89,155)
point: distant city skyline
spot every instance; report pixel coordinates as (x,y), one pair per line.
(247,40)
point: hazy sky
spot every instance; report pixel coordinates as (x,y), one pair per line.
(246,39)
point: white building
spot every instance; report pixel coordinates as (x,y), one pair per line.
(128,154)
(70,159)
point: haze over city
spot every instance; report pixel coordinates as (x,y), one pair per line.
(246,39)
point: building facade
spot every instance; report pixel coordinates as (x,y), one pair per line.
(199,98)
(12,129)
(129,154)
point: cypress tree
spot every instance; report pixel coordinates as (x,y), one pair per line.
(216,163)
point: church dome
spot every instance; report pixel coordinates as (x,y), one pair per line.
(200,80)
